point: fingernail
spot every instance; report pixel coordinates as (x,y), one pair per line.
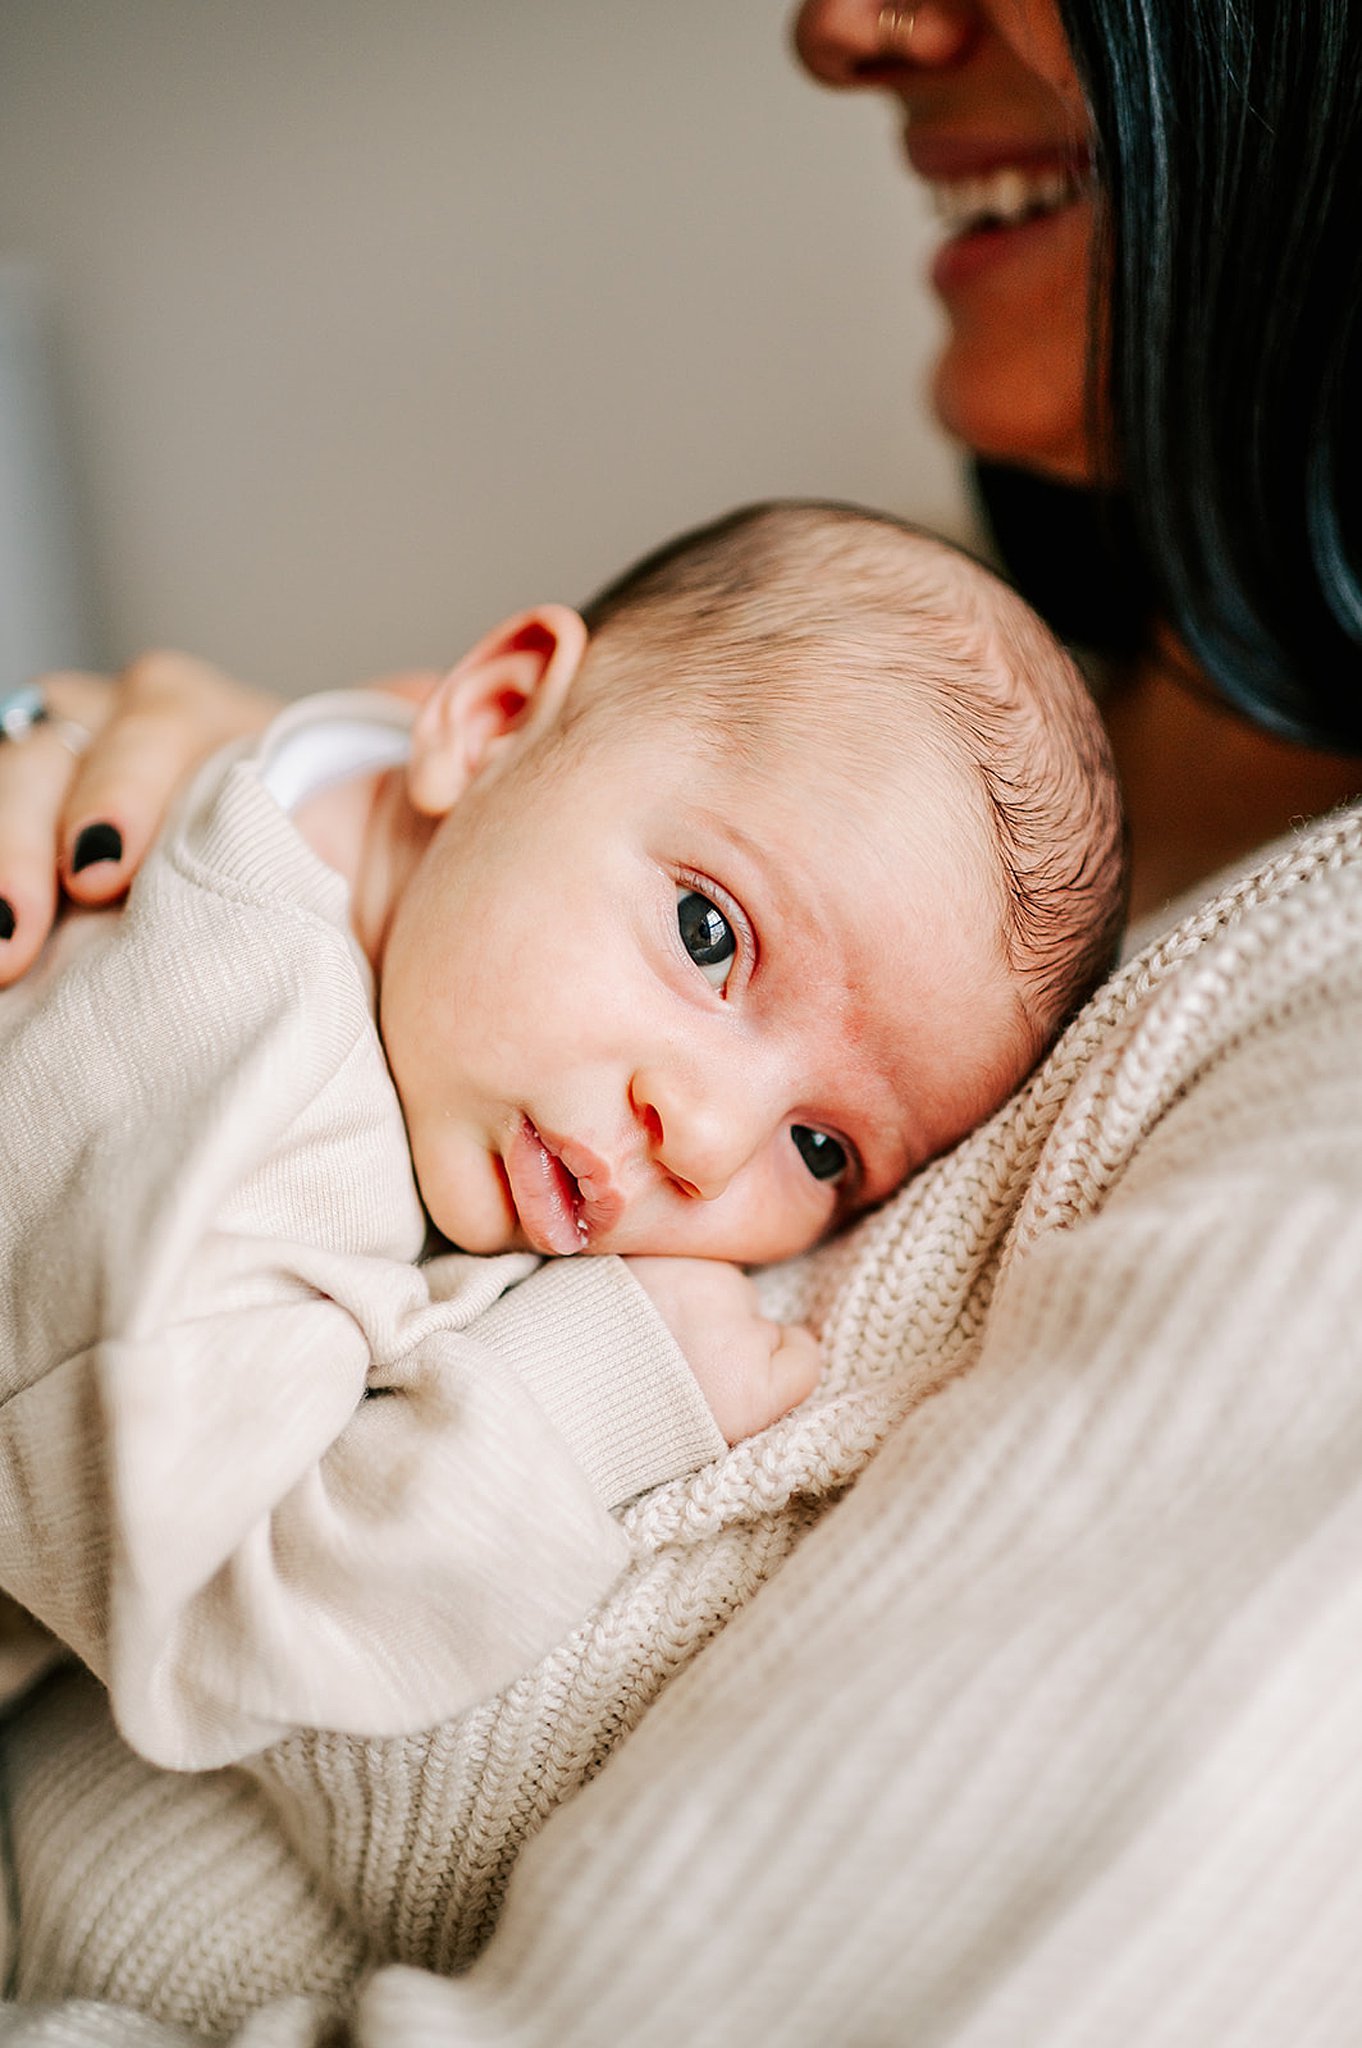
(94,844)
(6,918)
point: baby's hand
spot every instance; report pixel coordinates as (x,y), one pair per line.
(750,1370)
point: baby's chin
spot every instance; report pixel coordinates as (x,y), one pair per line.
(451,1231)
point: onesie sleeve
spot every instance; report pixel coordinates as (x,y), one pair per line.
(584,1337)
(259,1468)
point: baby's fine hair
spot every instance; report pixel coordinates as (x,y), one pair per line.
(785,616)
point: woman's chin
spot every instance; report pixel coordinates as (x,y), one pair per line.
(1010,406)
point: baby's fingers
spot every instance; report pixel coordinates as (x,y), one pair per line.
(795,1365)
(782,1371)
(36,772)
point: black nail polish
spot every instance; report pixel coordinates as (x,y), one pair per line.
(94,844)
(6,918)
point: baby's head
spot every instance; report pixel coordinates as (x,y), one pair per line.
(752,888)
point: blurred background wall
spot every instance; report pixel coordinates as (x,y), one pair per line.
(365,321)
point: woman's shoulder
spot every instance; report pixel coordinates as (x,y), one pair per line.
(1222,1052)
(1330,841)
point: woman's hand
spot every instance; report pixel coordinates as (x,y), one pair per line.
(84,823)
(750,1370)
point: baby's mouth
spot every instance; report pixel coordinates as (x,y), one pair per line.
(562,1192)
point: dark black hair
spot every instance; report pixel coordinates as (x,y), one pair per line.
(1229,154)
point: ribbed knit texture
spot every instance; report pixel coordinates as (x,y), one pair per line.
(1046,1731)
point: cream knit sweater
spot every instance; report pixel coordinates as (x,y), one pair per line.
(1047,1731)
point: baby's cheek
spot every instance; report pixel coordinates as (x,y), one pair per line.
(806,1217)
(463,1194)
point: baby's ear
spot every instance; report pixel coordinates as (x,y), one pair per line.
(505,692)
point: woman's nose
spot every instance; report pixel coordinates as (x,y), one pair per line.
(862,42)
(700,1133)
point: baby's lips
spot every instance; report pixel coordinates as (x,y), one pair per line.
(545,1194)
(599,1202)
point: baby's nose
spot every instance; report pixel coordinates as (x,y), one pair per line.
(699,1134)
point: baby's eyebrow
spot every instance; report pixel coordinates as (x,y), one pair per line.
(760,861)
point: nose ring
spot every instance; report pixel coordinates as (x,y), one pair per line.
(894,30)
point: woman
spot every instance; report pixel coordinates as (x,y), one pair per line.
(1046,1731)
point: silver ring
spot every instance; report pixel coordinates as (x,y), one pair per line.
(22,710)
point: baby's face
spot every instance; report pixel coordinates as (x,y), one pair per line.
(646,1001)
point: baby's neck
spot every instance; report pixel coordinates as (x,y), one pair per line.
(365,828)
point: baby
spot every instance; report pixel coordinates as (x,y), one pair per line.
(692,925)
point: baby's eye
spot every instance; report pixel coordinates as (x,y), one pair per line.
(706,935)
(825,1158)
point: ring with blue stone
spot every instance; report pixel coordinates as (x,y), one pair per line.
(24,709)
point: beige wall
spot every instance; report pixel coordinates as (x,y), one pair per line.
(377,318)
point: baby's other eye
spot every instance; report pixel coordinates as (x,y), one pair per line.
(706,935)
(825,1158)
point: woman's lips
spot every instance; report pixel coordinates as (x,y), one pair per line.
(994,202)
(976,250)
(562,1191)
